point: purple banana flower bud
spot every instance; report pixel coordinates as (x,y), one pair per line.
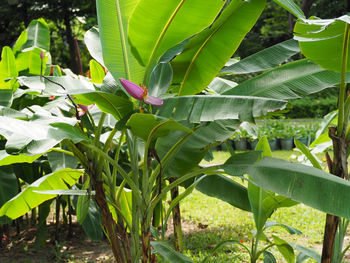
(140,93)
(42,55)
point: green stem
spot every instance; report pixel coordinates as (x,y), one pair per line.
(136,208)
(77,153)
(167,158)
(116,158)
(115,164)
(208,170)
(62,151)
(342,122)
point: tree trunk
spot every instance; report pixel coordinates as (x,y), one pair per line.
(57,226)
(115,235)
(70,40)
(306,6)
(146,245)
(76,46)
(178,240)
(338,167)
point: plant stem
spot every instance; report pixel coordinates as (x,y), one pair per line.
(136,207)
(342,91)
(178,238)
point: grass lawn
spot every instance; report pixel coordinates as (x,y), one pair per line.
(209,221)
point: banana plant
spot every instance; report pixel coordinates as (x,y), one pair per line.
(135,135)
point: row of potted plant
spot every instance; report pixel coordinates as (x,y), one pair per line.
(280,134)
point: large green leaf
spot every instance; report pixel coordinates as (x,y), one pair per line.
(30,61)
(155,26)
(143,124)
(116,105)
(225,189)
(289,81)
(195,147)
(206,54)
(265,59)
(38,36)
(39,85)
(93,44)
(302,183)
(201,108)
(322,40)
(7,68)
(113,16)
(36,137)
(29,199)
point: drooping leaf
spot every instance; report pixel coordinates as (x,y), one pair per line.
(49,87)
(28,199)
(36,137)
(154,27)
(302,183)
(93,44)
(225,189)
(38,35)
(290,229)
(206,54)
(162,248)
(265,59)
(113,17)
(201,108)
(321,40)
(289,81)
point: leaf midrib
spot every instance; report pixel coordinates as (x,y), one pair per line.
(202,47)
(160,38)
(123,40)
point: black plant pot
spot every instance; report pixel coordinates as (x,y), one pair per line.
(287,144)
(240,145)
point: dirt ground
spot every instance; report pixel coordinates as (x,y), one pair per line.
(19,248)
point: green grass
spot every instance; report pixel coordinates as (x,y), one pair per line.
(213,221)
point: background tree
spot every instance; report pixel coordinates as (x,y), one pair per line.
(67,19)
